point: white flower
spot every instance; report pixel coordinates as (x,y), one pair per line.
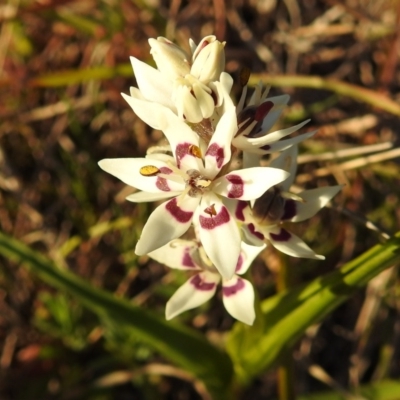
(263,221)
(190,86)
(194,181)
(237,293)
(255,120)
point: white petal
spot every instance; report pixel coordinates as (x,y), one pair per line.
(219,150)
(252,236)
(152,83)
(144,197)
(218,232)
(247,256)
(209,62)
(196,291)
(192,45)
(284,144)
(238,298)
(292,245)
(167,222)
(250,183)
(278,135)
(128,171)
(314,200)
(223,88)
(287,161)
(186,104)
(251,160)
(204,100)
(171,60)
(151,113)
(178,254)
(166,158)
(280,103)
(182,140)
(263,145)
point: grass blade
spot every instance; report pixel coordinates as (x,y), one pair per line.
(181,345)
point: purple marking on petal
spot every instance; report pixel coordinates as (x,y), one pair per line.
(290,209)
(236,189)
(282,236)
(187,259)
(199,284)
(162,183)
(265,147)
(239,263)
(204,44)
(253,231)
(180,215)
(218,152)
(262,110)
(212,222)
(182,150)
(239,210)
(232,290)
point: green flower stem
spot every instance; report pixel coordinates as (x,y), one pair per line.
(288,314)
(286,379)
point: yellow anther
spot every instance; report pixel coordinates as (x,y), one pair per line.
(203,183)
(149,170)
(211,210)
(195,151)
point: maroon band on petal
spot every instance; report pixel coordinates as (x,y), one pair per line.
(162,183)
(282,236)
(262,110)
(236,190)
(210,223)
(253,231)
(180,215)
(218,152)
(232,290)
(200,284)
(187,259)
(182,150)
(239,210)
(290,209)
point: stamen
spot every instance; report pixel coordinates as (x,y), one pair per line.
(205,261)
(149,170)
(211,210)
(292,196)
(195,151)
(203,183)
(180,198)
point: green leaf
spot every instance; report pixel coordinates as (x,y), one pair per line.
(288,314)
(185,347)
(72,77)
(385,390)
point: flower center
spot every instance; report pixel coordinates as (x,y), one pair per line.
(196,183)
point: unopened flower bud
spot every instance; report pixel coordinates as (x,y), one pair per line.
(171,60)
(208,60)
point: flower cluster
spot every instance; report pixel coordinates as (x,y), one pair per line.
(211,177)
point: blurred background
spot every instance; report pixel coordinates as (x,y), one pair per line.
(63,65)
